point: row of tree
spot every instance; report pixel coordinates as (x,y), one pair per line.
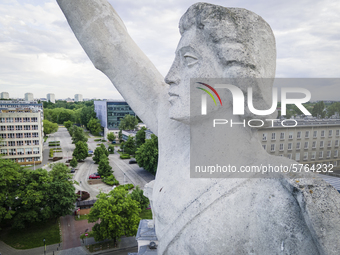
(30,196)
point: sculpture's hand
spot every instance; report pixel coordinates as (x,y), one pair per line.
(105,40)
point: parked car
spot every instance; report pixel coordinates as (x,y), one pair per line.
(73,170)
(132,161)
(113,142)
(94,176)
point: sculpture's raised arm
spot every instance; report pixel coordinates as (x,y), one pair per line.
(105,40)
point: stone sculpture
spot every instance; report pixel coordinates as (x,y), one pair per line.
(290,215)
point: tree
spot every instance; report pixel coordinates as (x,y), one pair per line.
(97,153)
(104,150)
(78,135)
(129,122)
(74,162)
(111,149)
(130,146)
(147,155)
(94,126)
(81,151)
(10,176)
(104,168)
(138,195)
(68,124)
(140,137)
(118,214)
(86,114)
(49,127)
(120,135)
(111,137)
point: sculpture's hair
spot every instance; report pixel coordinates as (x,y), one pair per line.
(240,38)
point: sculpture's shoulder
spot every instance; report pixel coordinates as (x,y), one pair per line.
(320,208)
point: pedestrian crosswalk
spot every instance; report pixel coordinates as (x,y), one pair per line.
(334,181)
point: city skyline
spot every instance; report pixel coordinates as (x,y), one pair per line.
(40,54)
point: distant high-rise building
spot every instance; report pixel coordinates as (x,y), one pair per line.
(29,97)
(51,97)
(78,97)
(4,95)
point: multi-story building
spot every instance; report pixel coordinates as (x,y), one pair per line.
(110,113)
(309,142)
(4,104)
(4,95)
(78,98)
(29,97)
(51,97)
(21,135)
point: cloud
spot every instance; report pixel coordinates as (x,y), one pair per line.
(40,54)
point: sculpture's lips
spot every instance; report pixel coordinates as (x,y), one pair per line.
(172,97)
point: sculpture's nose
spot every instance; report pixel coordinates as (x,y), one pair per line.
(172,78)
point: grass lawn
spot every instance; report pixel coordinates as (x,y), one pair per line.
(146,214)
(82,217)
(32,237)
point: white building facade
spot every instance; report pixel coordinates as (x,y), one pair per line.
(4,95)
(78,98)
(51,98)
(29,97)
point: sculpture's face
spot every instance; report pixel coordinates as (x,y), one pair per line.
(194,59)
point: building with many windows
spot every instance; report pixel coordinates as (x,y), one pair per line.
(21,135)
(4,95)
(78,98)
(4,104)
(110,113)
(29,97)
(51,98)
(309,142)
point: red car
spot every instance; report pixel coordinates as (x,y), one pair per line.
(94,176)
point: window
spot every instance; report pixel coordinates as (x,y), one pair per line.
(3,152)
(27,135)
(273,136)
(321,144)
(272,147)
(28,151)
(337,132)
(11,143)
(18,127)
(290,135)
(36,142)
(329,143)
(36,150)
(313,154)
(35,119)
(3,143)
(35,134)
(281,146)
(298,146)
(21,159)
(335,153)
(2,120)
(315,134)
(9,120)
(289,156)
(306,145)
(19,135)
(323,133)
(307,134)
(264,137)
(289,146)
(35,127)
(3,135)
(3,128)
(320,154)
(20,143)
(27,127)
(264,146)
(282,136)
(28,159)
(20,151)
(297,156)
(335,163)
(314,145)
(328,154)
(25,119)
(305,156)
(336,143)
(12,152)
(10,128)
(11,135)
(18,119)
(28,142)
(36,159)
(330,133)
(298,136)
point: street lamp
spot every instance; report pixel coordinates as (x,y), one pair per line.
(44,246)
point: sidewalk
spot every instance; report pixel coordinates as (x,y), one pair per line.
(8,250)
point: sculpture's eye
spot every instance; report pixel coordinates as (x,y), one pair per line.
(190,59)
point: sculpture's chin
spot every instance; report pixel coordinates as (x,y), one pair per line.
(179,116)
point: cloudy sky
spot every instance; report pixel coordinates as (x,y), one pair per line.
(40,54)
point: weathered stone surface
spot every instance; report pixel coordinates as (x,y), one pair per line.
(291,215)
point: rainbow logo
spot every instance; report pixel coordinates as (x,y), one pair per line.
(209,93)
